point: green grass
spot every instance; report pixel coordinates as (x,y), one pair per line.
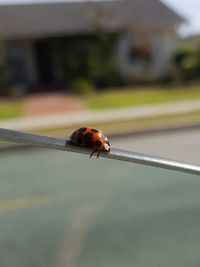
(133,97)
(122,97)
(10,109)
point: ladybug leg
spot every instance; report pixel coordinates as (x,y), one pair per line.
(98,153)
(93,153)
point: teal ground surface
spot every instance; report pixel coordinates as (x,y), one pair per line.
(62,209)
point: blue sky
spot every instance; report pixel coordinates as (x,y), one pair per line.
(190,9)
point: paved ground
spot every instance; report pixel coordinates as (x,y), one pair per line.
(59,209)
(183,145)
(52,103)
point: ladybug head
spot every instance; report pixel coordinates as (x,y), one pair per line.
(107,146)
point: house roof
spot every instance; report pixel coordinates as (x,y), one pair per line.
(51,19)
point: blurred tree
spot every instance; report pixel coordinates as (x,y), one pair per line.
(187,60)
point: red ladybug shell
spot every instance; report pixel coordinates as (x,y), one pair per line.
(91,138)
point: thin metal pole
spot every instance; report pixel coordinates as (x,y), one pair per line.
(116,154)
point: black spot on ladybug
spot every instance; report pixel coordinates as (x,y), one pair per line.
(88,144)
(89,139)
(98,143)
(79,140)
(82,130)
(88,136)
(94,131)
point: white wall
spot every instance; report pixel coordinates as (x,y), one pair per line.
(162,46)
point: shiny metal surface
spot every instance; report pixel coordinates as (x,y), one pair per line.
(116,154)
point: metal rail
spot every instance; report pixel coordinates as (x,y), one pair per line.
(116,154)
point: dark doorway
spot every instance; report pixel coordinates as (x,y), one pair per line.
(45,66)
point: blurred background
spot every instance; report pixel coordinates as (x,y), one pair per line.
(132,69)
(62,63)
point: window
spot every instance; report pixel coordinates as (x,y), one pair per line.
(140,51)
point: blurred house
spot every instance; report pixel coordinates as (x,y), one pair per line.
(144,49)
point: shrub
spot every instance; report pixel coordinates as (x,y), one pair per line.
(82,86)
(187,60)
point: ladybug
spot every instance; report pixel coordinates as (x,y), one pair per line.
(91,138)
